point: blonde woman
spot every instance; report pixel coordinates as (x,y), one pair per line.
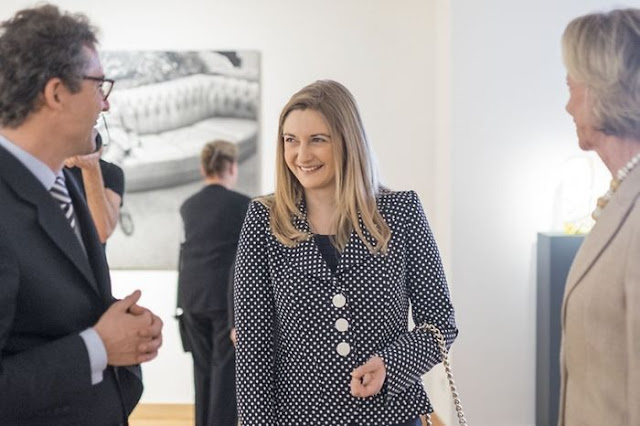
(327,267)
(600,355)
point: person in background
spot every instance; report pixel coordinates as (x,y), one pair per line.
(102,184)
(600,350)
(233,335)
(212,221)
(68,350)
(325,272)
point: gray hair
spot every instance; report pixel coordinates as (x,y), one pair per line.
(602,51)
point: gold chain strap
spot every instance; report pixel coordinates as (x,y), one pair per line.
(447,368)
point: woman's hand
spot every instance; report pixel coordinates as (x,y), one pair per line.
(367,380)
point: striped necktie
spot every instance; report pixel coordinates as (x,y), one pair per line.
(61,194)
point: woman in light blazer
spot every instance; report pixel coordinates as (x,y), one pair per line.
(600,356)
(326,269)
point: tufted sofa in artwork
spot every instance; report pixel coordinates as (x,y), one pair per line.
(157,131)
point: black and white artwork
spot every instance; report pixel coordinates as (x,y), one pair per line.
(163,108)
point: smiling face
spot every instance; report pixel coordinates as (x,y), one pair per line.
(579,107)
(308,150)
(86,106)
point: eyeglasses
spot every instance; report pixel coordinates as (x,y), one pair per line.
(104,84)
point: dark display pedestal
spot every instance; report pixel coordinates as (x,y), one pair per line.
(555,255)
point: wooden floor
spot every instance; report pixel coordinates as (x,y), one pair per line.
(162,415)
(180,415)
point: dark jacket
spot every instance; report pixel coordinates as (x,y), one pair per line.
(49,292)
(212,221)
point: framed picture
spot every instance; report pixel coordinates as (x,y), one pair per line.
(163,108)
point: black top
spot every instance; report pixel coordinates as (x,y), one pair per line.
(330,254)
(212,221)
(112,175)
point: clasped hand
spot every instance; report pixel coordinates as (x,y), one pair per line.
(131,334)
(367,380)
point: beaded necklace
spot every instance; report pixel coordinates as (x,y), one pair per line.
(615,184)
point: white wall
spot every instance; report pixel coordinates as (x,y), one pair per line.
(510,136)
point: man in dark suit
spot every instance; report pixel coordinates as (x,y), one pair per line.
(212,220)
(68,350)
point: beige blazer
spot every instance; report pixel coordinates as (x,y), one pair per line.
(600,351)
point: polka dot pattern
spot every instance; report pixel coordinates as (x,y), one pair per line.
(289,369)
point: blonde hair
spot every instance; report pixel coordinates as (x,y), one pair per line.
(217,157)
(600,50)
(356,182)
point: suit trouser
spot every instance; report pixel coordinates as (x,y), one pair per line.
(213,367)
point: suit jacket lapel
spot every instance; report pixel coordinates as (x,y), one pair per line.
(355,252)
(303,255)
(605,229)
(94,249)
(50,217)
(306,256)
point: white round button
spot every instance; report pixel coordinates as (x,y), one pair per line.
(339,300)
(342,324)
(343,349)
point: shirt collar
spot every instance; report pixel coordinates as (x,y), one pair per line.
(41,171)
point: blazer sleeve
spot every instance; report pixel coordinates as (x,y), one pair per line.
(632,312)
(255,323)
(416,352)
(34,379)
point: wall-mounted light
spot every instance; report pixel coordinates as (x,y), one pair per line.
(582,180)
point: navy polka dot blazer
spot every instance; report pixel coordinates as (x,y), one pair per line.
(302,329)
